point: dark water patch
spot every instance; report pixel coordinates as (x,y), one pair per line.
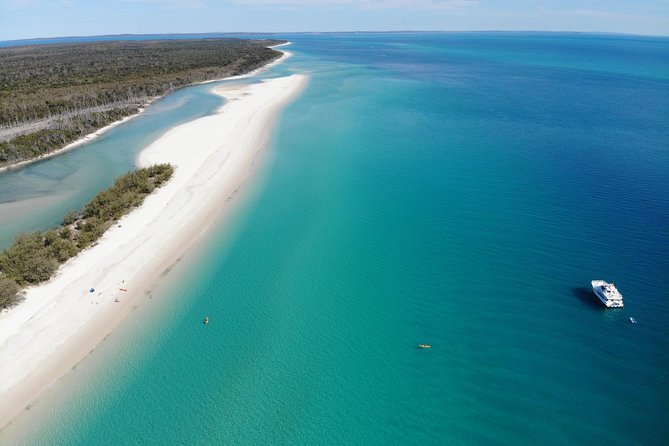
(587,297)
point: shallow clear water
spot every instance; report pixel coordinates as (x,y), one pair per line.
(455,189)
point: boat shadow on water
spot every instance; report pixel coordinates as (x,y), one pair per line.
(588,298)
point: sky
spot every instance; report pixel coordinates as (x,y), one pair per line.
(23,19)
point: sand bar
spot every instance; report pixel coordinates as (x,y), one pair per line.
(60,321)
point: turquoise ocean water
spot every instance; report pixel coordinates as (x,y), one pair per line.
(455,189)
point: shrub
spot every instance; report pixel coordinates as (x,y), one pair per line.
(8,292)
(28,261)
(71,217)
(60,244)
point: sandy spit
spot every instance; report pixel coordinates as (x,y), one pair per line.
(61,321)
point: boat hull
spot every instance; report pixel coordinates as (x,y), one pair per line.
(599,292)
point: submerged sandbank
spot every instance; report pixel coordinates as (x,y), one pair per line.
(61,321)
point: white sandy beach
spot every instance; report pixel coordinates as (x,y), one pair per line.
(61,321)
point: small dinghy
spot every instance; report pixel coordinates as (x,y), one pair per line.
(424,346)
(206,320)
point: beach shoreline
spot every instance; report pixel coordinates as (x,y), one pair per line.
(60,322)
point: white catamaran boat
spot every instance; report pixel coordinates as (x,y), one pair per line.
(607,293)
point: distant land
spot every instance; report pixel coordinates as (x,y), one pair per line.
(54,94)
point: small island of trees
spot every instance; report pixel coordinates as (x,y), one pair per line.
(34,257)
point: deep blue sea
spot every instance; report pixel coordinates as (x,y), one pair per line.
(456,189)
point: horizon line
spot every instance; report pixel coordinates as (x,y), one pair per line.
(610,33)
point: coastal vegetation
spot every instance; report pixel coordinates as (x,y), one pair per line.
(34,257)
(53,94)
(59,133)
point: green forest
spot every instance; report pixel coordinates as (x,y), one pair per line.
(53,94)
(34,257)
